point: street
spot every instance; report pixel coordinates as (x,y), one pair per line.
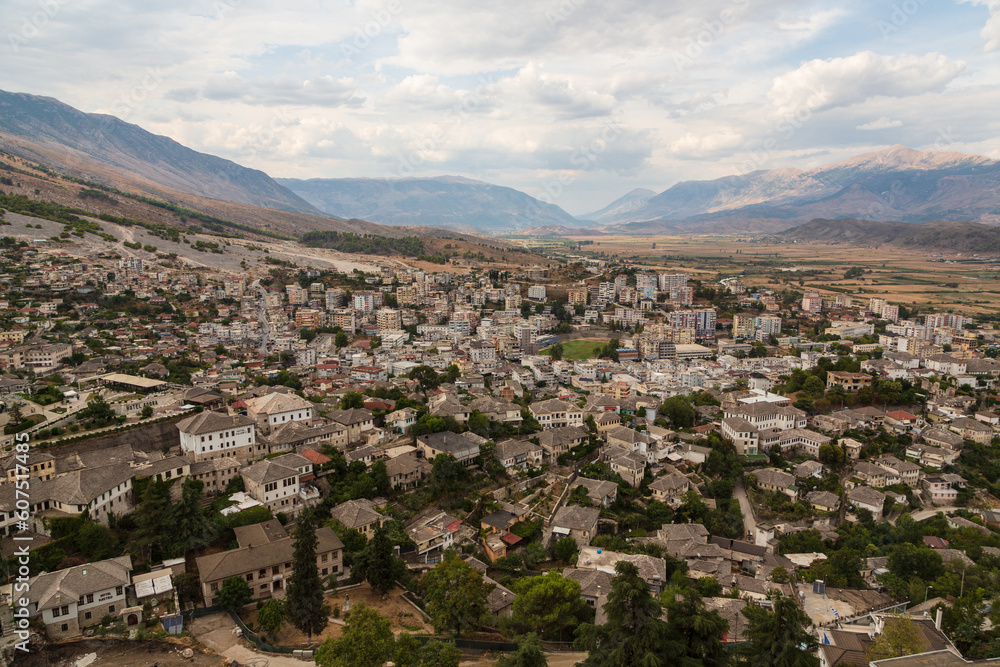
(749,522)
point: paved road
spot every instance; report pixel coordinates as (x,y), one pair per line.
(740,492)
(926,514)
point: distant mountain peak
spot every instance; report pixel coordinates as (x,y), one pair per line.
(904,157)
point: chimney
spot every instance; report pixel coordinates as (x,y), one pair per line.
(937,618)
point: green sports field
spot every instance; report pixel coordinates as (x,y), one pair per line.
(581,348)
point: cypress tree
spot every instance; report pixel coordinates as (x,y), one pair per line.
(304,605)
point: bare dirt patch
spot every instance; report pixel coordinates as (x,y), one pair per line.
(404,618)
(115,652)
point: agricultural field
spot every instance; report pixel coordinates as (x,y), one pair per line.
(905,275)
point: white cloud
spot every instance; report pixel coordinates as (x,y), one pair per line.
(703,145)
(991,31)
(882,123)
(561,95)
(841,82)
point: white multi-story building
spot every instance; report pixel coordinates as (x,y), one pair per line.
(388,319)
(273,410)
(212,435)
(702,320)
(536,292)
(812,302)
(669,281)
(769,325)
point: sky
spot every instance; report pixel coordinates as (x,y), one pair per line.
(575,102)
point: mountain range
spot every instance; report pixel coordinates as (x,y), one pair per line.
(894,184)
(451,202)
(898,183)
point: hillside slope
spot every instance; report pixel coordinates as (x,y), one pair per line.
(72,136)
(966,237)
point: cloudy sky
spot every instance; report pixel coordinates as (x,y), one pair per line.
(577,101)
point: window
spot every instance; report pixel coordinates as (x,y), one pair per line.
(215,587)
(250,577)
(324,572)
(87,616)
(275,570)
(111,609)
(262,573)
(119,590)
(324,558)
(263,587)
(64,627)
(90,598)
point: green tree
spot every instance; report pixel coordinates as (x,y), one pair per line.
(304,598)
(528,654)
(634,635)
(270,617)
(697,630)
(479,424)
(426,377)
(556,352)
(778,637)
(234,594)
(377,565)
(564,549)
(352,399)
(97,409)
(15,417)
(437,653)
(189,527)
(367,641)
(341,339)
(96,542)
(549,606)
(380,477)
(906,560)
(832,454)
(147,412)
(446,474)
(813,387)
(152,518)
(456,595)
(679,411)
(900,636)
